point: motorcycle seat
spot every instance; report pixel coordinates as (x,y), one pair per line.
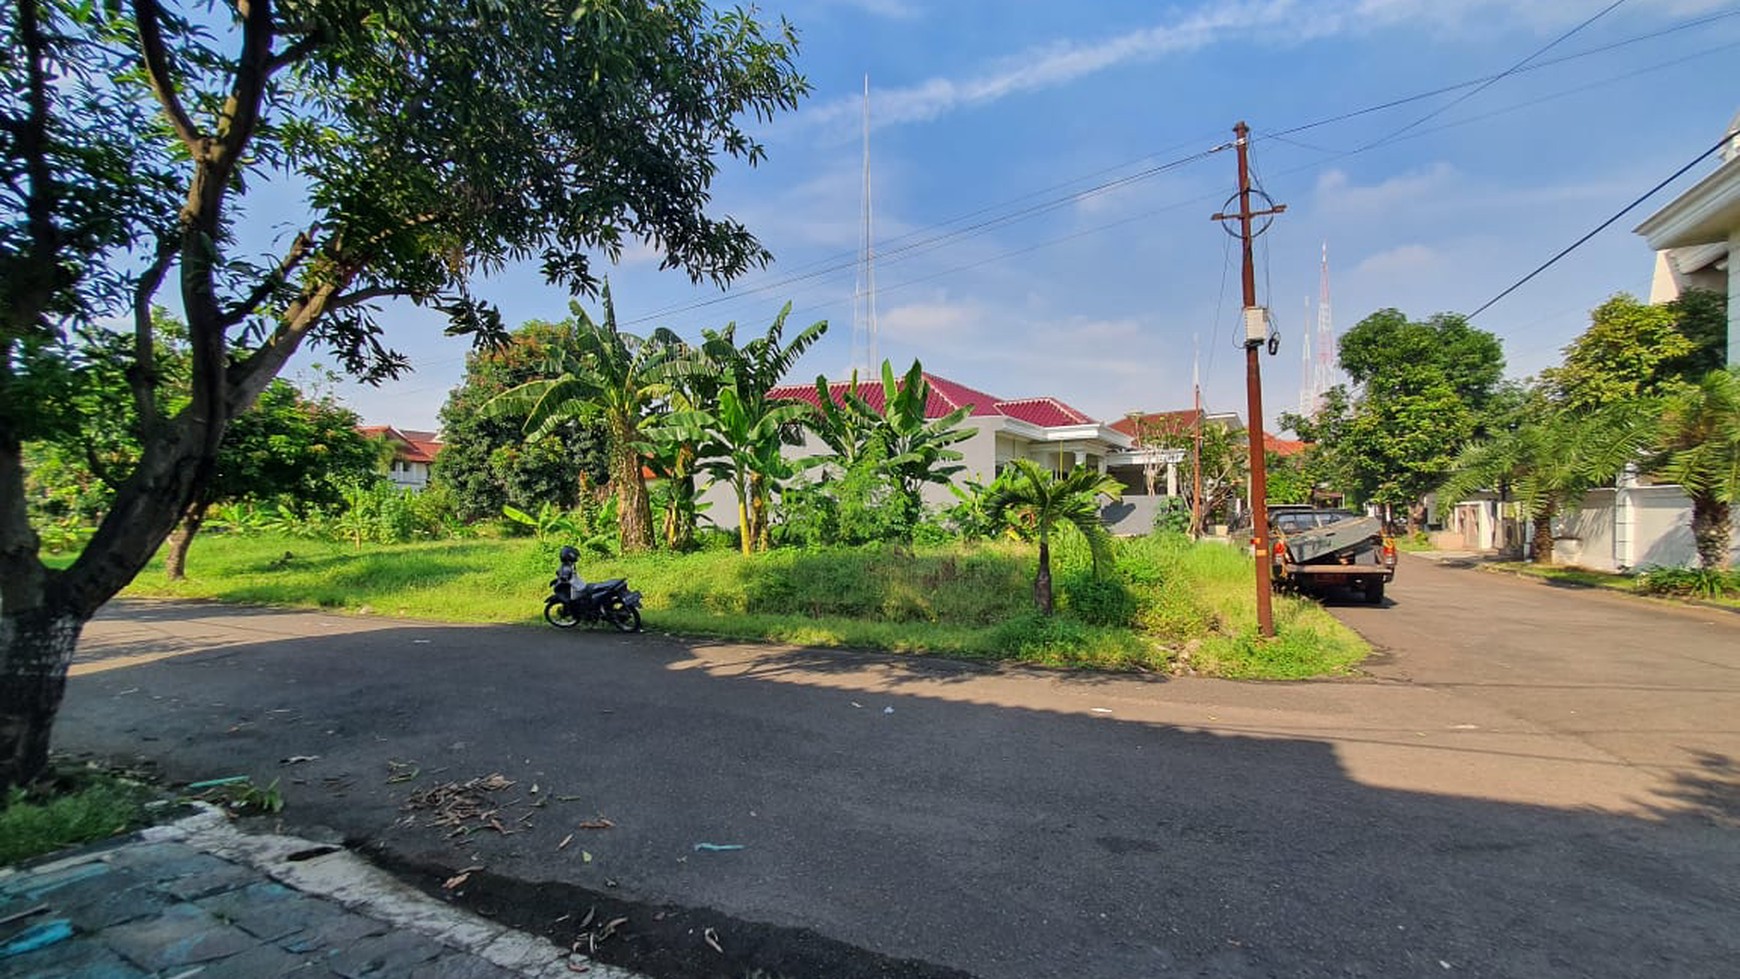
(603,586)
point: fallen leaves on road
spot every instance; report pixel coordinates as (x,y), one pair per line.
(565,841)
(465,807)
(599,823)
(712,939)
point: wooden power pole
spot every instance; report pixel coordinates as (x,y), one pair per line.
(1256,337)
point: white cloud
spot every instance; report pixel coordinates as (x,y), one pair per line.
(932,324)
(1337,193)
(1276,22)
(1401,261)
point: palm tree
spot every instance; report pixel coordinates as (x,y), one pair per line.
(1550,460)
(1699,448)
(1038,504)
(616,378)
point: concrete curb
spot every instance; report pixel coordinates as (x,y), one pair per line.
(341,876)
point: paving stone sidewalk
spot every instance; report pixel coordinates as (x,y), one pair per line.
(200,899)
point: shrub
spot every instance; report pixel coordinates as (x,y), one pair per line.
(1689,582)
(1099,601)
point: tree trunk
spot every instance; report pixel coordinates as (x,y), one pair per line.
(745,533)
(633,509)
(175,561)
(758,512)
(1543,536)
(35,648)
(1713,530)
(1042,580)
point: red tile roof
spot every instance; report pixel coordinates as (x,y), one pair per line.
(1044,412)
(946,396)
(1280,446)
(409,445)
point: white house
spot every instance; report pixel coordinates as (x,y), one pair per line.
(1696,236)
(413,453)
(1042,429)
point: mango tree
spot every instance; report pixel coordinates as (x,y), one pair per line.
(426,140)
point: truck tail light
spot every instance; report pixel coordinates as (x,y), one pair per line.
(1389,550)
(1280,549)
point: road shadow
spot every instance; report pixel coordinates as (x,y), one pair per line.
(921,821)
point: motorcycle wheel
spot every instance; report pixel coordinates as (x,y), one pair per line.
(624,618)
(556,613)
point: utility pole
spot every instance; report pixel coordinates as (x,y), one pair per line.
(1256,337)
(1196,441)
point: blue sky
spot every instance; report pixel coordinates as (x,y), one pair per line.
(986,108)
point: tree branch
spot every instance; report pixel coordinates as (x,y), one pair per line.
(147,15)
(32,146)
(360,296)
(298,251)
(142,374)
(301,48)
(242,109)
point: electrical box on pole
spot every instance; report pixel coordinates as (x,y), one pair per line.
(1256,324)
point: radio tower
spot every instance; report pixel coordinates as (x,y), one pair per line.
(1323,377)
(1307,368)
(864,354)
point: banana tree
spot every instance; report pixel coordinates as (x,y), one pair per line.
(743,448)
(752,370)
(615,378)
(1037,504)
(915,448)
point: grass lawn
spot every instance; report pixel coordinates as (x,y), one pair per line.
(1583,577)
(1168,605)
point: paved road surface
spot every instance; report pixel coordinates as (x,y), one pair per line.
(1534,782)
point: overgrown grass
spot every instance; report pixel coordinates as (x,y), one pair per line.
(1666,584)
(1166,605)
(66,813)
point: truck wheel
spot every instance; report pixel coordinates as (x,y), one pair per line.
(1374,593)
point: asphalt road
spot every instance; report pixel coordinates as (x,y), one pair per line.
(1533,782)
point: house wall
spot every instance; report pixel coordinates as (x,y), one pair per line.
(1650,526)
(1133,515)
(408,475)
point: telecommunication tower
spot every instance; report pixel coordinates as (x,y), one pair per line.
(1307,368)
(864,353)
(1323,374)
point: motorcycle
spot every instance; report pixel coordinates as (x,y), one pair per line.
(573,601)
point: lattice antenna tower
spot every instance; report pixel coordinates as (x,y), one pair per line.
(1324,376)
(864,353)
(1308,393)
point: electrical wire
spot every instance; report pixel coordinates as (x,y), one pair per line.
(1627,209)
(1483,86)
(1536,66)
(893,250)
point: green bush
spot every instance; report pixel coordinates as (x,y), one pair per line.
(1689,582)
(1102,600)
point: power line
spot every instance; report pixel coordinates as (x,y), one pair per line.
(1487,79)
(935,240)
(1573,246)
(1483,86)
(921,240)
